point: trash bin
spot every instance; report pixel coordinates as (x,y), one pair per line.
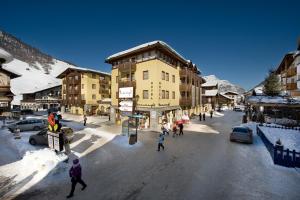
(132,139)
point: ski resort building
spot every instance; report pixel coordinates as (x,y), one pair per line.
(6,96)
(289,73)
(162,84)
(42,99)
(85,91)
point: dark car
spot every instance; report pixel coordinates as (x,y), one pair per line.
(41,138)
(241,134)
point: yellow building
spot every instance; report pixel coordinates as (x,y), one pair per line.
(166,86)
(85,91)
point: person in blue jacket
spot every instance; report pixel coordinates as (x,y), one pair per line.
(161,141)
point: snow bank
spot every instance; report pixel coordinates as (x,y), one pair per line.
(34,166)
(289,138)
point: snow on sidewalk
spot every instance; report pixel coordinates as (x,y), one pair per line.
(37,161)
(289,138)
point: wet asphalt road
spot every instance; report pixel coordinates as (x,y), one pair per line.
(194,166)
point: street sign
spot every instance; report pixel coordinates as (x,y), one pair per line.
(126,103)
(126,92)
(126,108)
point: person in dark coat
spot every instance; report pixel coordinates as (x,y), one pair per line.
(161,141)
(180,128)
(203,116)
(75,174)
(84,120)
(211,113)
(200,116)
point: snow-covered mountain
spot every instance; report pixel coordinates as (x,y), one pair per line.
(38,70)
(224,85)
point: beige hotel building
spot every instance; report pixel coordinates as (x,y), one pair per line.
(166,86)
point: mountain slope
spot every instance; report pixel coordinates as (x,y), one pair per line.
(38,70)
(224,85)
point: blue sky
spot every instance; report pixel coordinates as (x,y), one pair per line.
(235,40)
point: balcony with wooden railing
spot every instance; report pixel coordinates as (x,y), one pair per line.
(126,67)
(291,72)
(185,72)
(125,82)
(291,86)
(103,82)
(104,91)
(185,101)
(184,87)
(4,88)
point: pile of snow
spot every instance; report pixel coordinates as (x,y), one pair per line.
(34,166)
(289,138)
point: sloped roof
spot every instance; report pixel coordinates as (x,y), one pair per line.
(211,93)
(84,70)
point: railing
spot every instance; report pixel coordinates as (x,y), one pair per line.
(291,86)
(291,72)
(128,66)
(185,101)
(103,91)
(103,81)
(185,72)
(280,156)
(5,88)
(127,83)
(184,87)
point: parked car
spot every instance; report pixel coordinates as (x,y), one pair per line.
(41,138)
(238,109)
(241,134)
(26,112)
(28,125)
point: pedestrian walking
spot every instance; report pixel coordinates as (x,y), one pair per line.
(200,116)
(174,129)
(84,120)
(203,116)
(180,128)
(165,129)
(161,141)
(211,113)
(75,174)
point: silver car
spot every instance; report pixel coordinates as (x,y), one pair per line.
(28,125)
(241,134)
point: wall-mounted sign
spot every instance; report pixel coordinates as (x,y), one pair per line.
(126,103)
(126,108)
(3,104)
(126,92)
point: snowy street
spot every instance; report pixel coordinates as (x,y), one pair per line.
(200,164)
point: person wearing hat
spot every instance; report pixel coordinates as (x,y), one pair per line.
(75,174)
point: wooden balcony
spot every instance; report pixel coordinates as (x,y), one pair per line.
(184,87)
(103,91)
(126,67)
(103,82)
(185,102)
(291,86)
(291,72)
(127,83)
(185,72)
(5,88)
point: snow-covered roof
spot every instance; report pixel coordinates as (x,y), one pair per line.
(85,70)
(6,56)
(230,92)
(227,97)
(148,44)
(210,84)
(48,86)
(272,100)
(209,93)
(259,90)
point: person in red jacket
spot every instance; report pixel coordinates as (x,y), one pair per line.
(75,174)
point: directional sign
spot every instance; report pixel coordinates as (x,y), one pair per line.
(126,108)
(126,103)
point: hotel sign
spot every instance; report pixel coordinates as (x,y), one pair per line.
(126,92)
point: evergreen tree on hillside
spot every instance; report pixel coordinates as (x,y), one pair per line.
(272,85)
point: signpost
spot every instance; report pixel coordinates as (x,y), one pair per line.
(55,141)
